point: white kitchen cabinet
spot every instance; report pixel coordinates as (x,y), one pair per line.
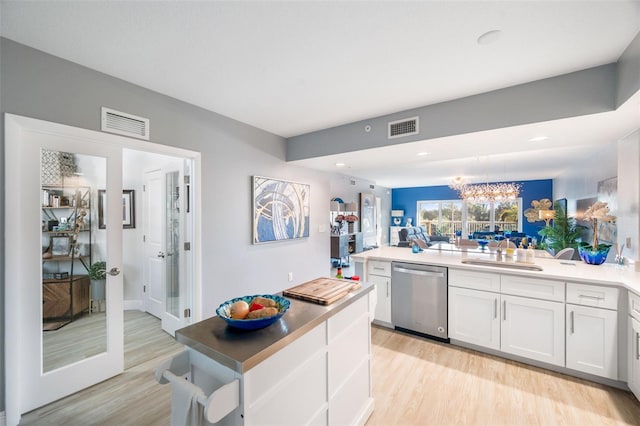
(592,340)
(474,280)
(474,317)
(634,356)
(379,273)
(634,344)
(533,329)
(383,291)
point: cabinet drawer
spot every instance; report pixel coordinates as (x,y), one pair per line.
(376,267)
(593,295)
(634,305)
(474,280)
(532,287)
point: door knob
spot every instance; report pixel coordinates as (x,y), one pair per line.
(161,254)
(114,271)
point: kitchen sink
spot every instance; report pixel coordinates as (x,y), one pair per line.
(498,264)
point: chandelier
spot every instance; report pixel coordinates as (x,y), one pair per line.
(486,192)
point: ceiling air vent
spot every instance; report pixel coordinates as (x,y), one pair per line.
(125,124)
(404,127)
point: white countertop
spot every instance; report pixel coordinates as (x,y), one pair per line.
(567,270)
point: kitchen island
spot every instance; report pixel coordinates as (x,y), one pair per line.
(563,315)
(310,367)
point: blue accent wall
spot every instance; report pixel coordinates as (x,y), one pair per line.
(407,199)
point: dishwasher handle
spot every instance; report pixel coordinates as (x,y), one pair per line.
(418,272)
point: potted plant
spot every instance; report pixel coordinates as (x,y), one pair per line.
(98,274)
(563,233)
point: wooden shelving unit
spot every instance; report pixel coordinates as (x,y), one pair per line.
(66,228)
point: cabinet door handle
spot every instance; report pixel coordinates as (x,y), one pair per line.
(572,322)
(387,288)
(495,308)
(584,296)
(504,310)
(377,268)
(637,346)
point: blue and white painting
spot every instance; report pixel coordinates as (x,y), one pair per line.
(280,210)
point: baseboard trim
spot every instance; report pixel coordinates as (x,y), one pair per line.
(133,305)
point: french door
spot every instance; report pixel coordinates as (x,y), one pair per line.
(45,235)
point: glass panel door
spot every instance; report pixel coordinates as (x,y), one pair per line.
(53,173)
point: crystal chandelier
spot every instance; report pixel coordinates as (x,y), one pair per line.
(486,192)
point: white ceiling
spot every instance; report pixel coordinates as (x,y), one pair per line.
(295,67)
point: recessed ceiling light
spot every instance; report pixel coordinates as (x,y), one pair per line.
(489,37)
(539,139)
(339,164)
(422,154)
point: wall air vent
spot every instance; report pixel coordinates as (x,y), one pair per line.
(404,127)
(125,124)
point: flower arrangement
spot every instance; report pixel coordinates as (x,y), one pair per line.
(598,212)
(596,254)
(351,218)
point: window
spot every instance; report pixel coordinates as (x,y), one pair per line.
(440,217)
(446,217)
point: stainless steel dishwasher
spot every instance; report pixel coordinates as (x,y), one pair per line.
(419,299)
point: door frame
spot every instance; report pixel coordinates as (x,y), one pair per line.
(14,125)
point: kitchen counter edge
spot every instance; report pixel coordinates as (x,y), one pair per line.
(575,271)
(242,350)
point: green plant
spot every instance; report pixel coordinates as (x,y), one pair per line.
(98,271)
(563,233)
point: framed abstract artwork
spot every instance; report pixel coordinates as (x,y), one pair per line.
(280,210)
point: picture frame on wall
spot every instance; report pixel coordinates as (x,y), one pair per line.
(368,216)
(280,210)
(608,193)
(128,209)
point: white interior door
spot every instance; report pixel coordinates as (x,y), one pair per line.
(29,383)
(155,251)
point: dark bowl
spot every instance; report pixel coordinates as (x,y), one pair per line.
(252,324)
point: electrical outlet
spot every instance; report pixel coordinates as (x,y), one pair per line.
(290,276)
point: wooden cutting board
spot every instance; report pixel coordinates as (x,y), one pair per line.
(323,291)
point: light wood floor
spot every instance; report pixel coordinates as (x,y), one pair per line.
(421,382)
(133,397)
(415,382)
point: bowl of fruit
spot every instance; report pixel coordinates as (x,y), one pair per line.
(253,312)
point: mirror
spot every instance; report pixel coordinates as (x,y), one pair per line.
(73,305)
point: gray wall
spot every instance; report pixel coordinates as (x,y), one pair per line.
(629,72)
(580,93)
(38,85)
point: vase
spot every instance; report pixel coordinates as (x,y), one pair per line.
(593,256)
(352,226)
